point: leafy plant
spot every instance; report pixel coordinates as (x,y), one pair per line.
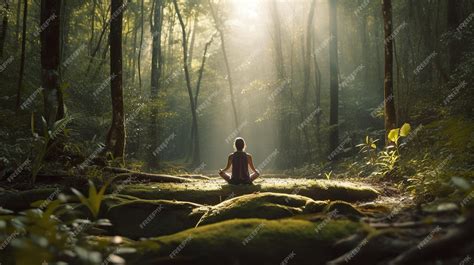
(43,143)
(95,198)
(387,159)
(370,149)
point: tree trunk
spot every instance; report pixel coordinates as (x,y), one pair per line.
(227,65)
(139,61)
(454,47)
(390,113)
(50,60)
(18,18)
(3,33)
(22,56)
(97,48)
(91,40)
(116,134)
(196,158)
(198,85)
(156,24)
(334,82)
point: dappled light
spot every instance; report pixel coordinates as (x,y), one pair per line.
(232,132)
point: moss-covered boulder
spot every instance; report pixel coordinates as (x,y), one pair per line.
(215,191)
(344,208)
(265,205)
(246,241)
(149,218)
(21,200)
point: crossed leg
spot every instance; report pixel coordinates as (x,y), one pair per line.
(254,176)
(225,175)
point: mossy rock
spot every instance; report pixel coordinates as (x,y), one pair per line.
(343,208)
(265,205)
(215,191)
(22,200)
(150,218)
(245,241)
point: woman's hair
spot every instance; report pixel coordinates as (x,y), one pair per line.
(239,143)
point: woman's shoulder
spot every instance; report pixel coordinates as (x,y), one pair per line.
(248,155)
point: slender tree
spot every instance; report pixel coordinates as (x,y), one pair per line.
(334,80)
(22,56)
(50,60)
(390,113)
(3,33)
(226,61)
(139,59)
(116,135)
(455,47)
(156,24)
(196,155)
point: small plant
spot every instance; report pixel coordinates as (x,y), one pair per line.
(43,143)
(328,175)
(387,159)
(369,148)
(95,198)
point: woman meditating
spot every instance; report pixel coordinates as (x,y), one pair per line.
(240,162)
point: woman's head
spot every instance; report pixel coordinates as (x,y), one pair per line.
(239,144)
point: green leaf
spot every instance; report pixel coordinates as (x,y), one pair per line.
(393,135)
(405,130)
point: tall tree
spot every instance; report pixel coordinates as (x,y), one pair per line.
(139,59)
(455,47)
(50,60)
(22,56)
(156,68)
(334,80)
(390,113)
(116,135)
(3,33)
(196,153)
(226,61)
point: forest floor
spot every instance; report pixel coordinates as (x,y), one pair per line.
(195,219)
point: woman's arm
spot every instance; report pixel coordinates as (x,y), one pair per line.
(229,163)
(251,164)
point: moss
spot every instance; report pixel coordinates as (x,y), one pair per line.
(21,200)
(215,191)
(148,218)
(343,208)
(262,205)
(245,241)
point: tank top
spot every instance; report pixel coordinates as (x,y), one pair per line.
(240,169)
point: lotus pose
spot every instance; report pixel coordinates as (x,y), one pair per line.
(240,162)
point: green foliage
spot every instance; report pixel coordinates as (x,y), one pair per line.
(94,201)
(45,142)
(386,161)
(38,235)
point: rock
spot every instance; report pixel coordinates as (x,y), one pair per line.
(215,191)
(265,205)
(245,241)
(22,200)
(150,218)
(343,208)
